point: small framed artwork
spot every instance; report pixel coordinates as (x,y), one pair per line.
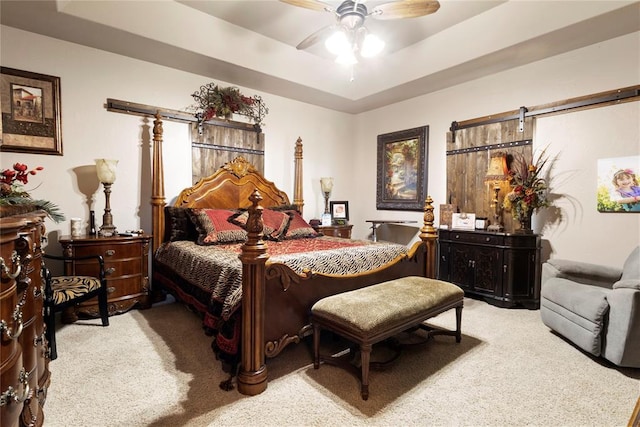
(619,184)
(30,107)
(402,169)
(339,212)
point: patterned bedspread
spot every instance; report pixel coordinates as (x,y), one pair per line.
(218,270)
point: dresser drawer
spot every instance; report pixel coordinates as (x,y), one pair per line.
(477,238)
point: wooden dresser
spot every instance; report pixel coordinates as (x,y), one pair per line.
(502,268)
(126,261)
(24,361)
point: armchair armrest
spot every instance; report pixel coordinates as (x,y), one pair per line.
(581,272)
(627,283)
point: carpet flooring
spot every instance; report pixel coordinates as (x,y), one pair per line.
(155,367)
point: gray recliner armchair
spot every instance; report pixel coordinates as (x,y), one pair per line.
(596,307)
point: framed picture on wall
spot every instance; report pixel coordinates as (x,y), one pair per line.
(30,107)
(618,184)
(402,169)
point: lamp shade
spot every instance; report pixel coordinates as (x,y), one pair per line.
(338,43)
(106,170)
(326,184)
(371,46)
(497,170)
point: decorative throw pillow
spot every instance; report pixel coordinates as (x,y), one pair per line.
(178,225)
(213,227)
(299,228)
(275,222)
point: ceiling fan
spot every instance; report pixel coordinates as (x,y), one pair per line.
(349,37)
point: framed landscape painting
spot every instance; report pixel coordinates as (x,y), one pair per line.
(30,107)
(402,169)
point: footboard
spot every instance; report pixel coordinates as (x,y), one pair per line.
(289,296)
(276,301)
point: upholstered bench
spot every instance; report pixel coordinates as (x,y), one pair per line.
(369,315)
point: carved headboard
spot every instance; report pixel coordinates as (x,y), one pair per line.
(230,188)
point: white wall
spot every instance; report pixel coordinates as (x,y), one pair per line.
(601,67)
(335,144)
(90,76)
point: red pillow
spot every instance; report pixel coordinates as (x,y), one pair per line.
(275,223)
(213,227)
(299,228)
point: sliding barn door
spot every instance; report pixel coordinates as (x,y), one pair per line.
(468,153)
(213,145)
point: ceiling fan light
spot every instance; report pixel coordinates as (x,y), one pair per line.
(347,58)
(371,46)
(337,43)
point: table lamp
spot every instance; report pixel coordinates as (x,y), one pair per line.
(106,170)
(497,172)
(327,185)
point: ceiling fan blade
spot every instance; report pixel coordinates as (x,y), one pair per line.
(315,37)
(405,9)
(309,4)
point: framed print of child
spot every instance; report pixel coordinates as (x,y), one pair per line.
(618,185)
(627,190)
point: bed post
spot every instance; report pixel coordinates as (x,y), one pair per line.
(429,236)
(297,184)
(252,378)
(157,177)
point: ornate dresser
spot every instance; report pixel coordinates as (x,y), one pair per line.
(24,361)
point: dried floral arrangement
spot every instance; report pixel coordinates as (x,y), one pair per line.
(529,190)
(213,100)
(13,193)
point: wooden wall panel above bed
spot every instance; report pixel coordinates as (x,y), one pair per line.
(213,145)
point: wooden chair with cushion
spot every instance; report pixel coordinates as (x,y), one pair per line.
(66,291)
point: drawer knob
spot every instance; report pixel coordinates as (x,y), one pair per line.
(110,252)
(488,239)
(109,271)
(111,290)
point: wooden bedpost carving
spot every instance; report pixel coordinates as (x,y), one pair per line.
(157,196)
(429,236)
(298,200)
(252,378)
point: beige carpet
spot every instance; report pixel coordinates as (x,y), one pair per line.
(156,368)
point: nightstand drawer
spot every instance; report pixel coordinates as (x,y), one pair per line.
(113,268)
(343,231)
(109,252)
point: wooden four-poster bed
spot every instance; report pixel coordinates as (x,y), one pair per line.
(262,289)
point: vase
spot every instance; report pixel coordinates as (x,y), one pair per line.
(525,224)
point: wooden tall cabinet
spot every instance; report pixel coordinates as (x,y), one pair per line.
(502,268)
(24,361)
(126,263)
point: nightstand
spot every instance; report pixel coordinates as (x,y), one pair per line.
(343,231)
(126,262)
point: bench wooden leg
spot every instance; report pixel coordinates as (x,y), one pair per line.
(316,346)
(459,323)
(365,359)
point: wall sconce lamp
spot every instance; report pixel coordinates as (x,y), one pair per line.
(327,185)
(497,173)
(106,170)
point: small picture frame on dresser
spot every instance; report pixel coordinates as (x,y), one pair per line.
(339,212)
